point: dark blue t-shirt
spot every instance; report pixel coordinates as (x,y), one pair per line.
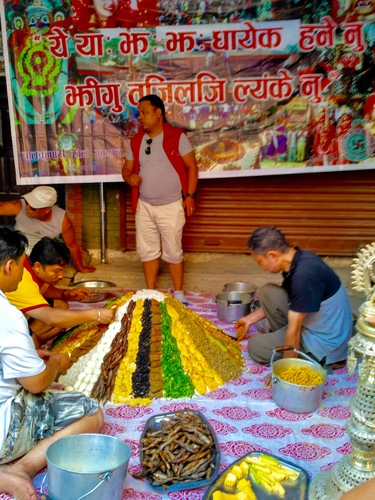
(309,282)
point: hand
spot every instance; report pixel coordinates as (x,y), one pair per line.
(79,294)
(44,354)
(242,325)
(106,315)
(189,205)
(63,361)
(135,180)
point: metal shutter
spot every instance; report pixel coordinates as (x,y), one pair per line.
(329,213)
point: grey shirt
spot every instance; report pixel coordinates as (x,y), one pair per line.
(160,182)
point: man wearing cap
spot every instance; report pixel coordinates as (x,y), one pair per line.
(37,215)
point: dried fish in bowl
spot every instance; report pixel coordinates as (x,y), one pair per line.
(179,451)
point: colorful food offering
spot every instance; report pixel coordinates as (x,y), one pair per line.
(155,348)
(259,476)
(179,451)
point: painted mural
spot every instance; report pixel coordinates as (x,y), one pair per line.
(261,87)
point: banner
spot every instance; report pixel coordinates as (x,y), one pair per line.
(260,87)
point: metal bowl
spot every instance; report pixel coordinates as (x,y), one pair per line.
(96,289)
(239,286)
(95,284)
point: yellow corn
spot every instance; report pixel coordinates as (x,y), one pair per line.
(237,471)
(230,480)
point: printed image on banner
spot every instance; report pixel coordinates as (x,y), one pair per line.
(260,87)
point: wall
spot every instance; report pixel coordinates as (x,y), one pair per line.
(83,206)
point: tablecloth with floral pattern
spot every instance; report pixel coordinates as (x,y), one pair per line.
(244,418)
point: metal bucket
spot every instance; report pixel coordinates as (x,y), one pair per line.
(233,305)
(293,397)
(91,466)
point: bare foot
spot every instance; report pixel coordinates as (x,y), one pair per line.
(16,483)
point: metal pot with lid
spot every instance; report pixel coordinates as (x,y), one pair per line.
(233,305)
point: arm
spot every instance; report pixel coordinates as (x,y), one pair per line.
(66,318)
(192,171)
(79,294)
(10,208)
(293,332)
(128,175)
(55,364)
(70,241)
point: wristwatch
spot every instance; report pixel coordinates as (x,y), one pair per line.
(191,195)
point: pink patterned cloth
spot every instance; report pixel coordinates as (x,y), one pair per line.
(244,418)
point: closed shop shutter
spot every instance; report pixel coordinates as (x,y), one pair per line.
(329,213)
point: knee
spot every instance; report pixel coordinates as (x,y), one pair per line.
(256,350)
(98,420)
(266,292)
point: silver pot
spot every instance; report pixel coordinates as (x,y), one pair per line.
(293,397)
(239,286)
(233,305)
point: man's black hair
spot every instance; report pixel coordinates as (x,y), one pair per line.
(13,243)
(156,102)
(49,252)
(266,238)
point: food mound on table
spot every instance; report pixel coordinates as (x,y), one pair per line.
(223,151)
(180,449)
(155,348)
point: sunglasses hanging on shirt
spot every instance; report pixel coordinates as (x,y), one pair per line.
(148,149)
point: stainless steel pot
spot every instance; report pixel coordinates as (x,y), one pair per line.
(233,305)
(239,286)
(293,397)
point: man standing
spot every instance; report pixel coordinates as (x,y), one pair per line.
(161,168)
(36,293)
(31,418)
(309,311)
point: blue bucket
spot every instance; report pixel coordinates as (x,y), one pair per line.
(90,466)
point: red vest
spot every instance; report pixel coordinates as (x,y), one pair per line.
(171,142)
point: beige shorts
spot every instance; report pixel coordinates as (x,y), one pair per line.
(159,231)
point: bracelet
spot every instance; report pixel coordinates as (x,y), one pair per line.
(98,315)
(191,195)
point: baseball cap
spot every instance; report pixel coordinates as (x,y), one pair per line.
(41,197)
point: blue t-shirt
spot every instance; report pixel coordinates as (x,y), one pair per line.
(309,282)
(314,288)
